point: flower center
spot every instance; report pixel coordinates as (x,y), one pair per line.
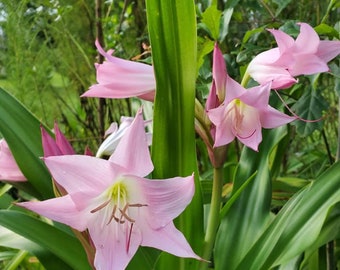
(117,200)
(236,111)
(116,206)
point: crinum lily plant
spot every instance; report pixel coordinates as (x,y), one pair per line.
(147,199)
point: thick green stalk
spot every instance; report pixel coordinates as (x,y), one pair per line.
(172,30)
(214,216)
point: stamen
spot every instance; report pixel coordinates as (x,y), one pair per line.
(137,205)
(247,137)
(125,215)
(294,114)
(129,239)
(113,216)
(101,206)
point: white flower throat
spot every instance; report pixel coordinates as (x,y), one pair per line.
(116,207)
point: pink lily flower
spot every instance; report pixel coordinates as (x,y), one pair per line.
(114,135)
(243,114)
(58,146)
(118,206)
(304,56)
(9,170)
(119,78)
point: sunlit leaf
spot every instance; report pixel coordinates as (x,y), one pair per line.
(211,17)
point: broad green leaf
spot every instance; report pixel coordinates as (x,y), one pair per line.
(205,46)
(211,17)
(172,30)
(21,131)
(144,259)
(224,26)
(12,240)
(309,107)
(282,4)
(61,244)
(335,69)
(250,213)
(325,29)
(298,224)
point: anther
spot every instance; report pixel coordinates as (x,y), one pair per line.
(100,206)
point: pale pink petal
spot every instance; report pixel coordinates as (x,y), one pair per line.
(268,57)
(219,71)
(168,239)
(132,152)
(119,78)
(283,40)
(109,145)
(100,49)
(279,76)
(78,173)
(166,198)
(328,50)
(9,169)
(119,64)
(268,67)
(308,64)
(61,209)
(121,85)
(115,246)
(112,73)
(49,144)
(112,129)
(233,90)
(223,122)
(212,99)
(307,41)
(252,141)
(250,131)
(62,142)
(272,118)
(257,96)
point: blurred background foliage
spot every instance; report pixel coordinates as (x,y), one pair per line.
(47,57)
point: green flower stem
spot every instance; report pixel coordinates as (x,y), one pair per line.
(17,260)
(245,79)
(214,216)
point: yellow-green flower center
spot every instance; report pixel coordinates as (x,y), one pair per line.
(116,201)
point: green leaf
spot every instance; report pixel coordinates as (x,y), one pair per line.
(21,131)
(298,224)
(144,259)
(250,213)
(173,36)
(282,4)
(67,248)
(325,29)
(224,26)
(211,17)
(309,107)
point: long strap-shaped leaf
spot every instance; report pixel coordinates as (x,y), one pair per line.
(248,216)
(172,29)
(12,240)
(298,224)
(60,243)
(22,133)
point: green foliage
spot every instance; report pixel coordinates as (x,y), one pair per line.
(26,147)
(172,25)
(60,243)
(280,206)
(309,107)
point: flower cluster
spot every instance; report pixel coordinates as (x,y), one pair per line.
(113,199)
